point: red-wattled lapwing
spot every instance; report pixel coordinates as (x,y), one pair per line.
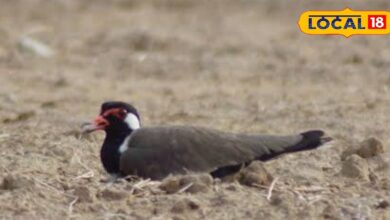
(156,152)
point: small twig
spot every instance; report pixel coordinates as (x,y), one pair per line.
(265,187)
(141,184)
(71,204)
(52,188)
(260,186)
(75,198)
(86,175)
(311,189)
(300,196)
(185,188)
(138,185)
(112,215)
(318,199)
(269,194)
(82,164)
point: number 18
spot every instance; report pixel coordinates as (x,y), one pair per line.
(377,22)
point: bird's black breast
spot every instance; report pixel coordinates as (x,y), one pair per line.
(109,154)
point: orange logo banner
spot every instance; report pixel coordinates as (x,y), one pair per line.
(346,22)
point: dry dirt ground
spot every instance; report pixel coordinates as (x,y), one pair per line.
(240,66)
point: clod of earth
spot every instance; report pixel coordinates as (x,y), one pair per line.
(184,205)
(276,200)
(330,212)
(383,205)
(84,194)
(368,148)
(355,167)
(23,116)
(255,174)
(49,104)
(385,183)
(13,182)
(112,194)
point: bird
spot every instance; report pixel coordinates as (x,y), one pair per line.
(156,152)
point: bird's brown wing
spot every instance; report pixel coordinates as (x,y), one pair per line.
(156,152)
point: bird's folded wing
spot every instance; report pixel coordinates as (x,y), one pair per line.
(159,151)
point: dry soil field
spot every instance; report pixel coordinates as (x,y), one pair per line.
(239,66)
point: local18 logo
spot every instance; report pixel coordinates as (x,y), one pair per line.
(346,22)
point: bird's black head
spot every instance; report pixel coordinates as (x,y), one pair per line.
(115,118)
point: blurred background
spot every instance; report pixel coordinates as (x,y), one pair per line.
(234,65)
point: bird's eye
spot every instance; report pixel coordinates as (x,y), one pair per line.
(122,113)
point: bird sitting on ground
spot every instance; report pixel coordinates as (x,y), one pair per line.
(156,152)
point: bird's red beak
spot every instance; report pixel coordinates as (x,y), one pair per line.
(100,123)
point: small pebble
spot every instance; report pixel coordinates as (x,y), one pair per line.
(31,45)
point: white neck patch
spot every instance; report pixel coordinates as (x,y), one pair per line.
(124,146)
(132,121)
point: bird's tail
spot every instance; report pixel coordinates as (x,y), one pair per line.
(310,140)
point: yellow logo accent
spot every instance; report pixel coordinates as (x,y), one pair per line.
(345,22)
